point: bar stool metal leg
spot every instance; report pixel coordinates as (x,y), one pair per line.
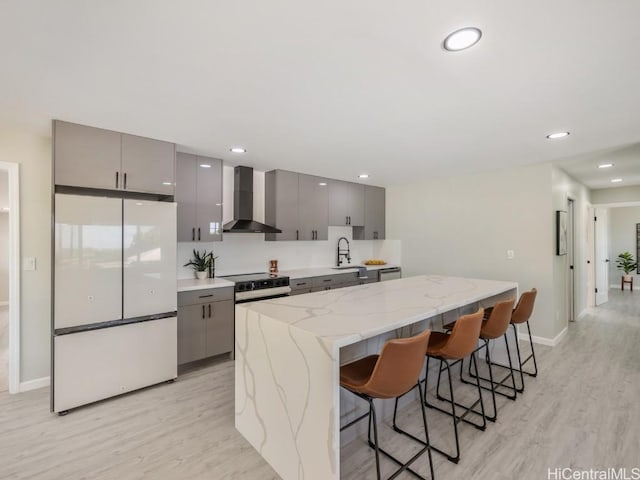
(454,416)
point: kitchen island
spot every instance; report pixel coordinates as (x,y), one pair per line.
(289,351)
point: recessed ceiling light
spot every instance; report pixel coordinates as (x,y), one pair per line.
(605,165)
(616,180)
(462,39)
(218,204)
(238,150)
(323,184)
(139,203)
(205,165)
(553,136)
(167,183)
(363,175)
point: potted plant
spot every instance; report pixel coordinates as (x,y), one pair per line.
(627,264)
(201,263)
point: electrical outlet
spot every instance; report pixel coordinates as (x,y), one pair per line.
(511,254)
(29,263)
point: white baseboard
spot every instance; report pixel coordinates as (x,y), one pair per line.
(34,384)
(549,342)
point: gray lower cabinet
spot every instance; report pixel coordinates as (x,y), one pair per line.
(301,285)
(199,198)
(330,282)
(205,324)
(92,157)
(346,203)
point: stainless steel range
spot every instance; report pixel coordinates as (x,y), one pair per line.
(259,286)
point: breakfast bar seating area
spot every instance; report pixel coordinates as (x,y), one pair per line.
(288,401)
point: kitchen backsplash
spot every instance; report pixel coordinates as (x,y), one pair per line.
(249,252)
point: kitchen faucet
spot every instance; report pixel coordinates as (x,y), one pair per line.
(344,253)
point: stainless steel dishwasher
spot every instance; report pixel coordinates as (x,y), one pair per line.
(390,273)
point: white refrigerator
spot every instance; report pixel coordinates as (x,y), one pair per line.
(115,297)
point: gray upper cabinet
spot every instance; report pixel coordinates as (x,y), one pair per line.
(281,204)
(86,156)
(374,213)
(95,158)
(199,198)
(346,203)
(313,208)
(148,165)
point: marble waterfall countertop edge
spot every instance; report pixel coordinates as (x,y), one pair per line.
(189,284)
(344,316)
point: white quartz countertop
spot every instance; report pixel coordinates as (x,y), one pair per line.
(322,271)
(189,284)
(344,316)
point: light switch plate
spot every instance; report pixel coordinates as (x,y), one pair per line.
(29,263)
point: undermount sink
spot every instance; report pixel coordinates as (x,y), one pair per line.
(345,267)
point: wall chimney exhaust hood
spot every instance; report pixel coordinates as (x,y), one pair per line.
(243,221)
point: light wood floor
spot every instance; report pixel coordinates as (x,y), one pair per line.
(583,411)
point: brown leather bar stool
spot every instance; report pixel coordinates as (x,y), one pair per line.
(451,349)
(521,314)
(494,326)
(392,374)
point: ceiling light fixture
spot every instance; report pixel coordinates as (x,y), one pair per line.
(363,175)
(238,150)
(605,165)
(554,136)
(616,180)
(323,184)
(205,165)
(167,183)
(462,39)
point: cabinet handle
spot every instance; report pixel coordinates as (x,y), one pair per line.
(198,233)
(125,180)
(205,296)
(193,234)
(117,179)
(346,221)
(300,284)
(209,310)
(202,311)
(327,280)
(297,235)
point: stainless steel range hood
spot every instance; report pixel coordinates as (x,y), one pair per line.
(243,221)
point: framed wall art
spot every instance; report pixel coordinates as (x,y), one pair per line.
(561,232)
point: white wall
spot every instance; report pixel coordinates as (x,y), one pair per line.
(563,188)
(622,238)
(4,257)
(615,195)
(465,225)
(4,237)
(33,153)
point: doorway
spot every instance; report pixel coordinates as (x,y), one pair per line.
(601,257)
(9,277)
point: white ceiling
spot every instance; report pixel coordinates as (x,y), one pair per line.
(333,88)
